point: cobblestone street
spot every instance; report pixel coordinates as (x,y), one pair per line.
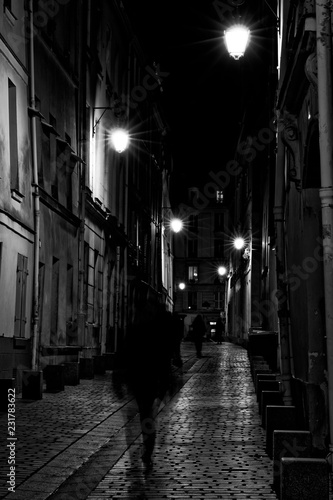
(85,442)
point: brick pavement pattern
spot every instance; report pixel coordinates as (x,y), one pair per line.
(85,443)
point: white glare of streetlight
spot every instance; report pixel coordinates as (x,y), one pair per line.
(119,139)
(236,39)
(176,225)
(181,286)
(239,243)
(222,270)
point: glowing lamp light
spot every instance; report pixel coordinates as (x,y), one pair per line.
(181,286)
(236,39)
(119,139)
(222,270)
(176,225)
(239,243)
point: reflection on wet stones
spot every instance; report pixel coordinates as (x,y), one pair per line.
(209,440)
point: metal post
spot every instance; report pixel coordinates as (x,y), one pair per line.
(117,293)
(35,338)
(83,138)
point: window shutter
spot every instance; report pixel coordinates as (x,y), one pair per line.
(21,291)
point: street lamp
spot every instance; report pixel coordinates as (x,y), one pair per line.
(119,137)
(236,39)
(176,225)
(239,243)
(181,286)
(222,270)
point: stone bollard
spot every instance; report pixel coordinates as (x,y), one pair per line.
(267,385)
(71,373)
(109,360)
(296,444)
(54,378)
(86,368)
(99,365)
(257,372)
(262,366)
(279,418)
(32,384)
(5,385)
(272,398)
(264,376)
(305,478)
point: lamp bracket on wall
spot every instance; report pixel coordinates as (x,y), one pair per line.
(117,109)
(99,119)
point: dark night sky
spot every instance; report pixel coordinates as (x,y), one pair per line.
(206,90)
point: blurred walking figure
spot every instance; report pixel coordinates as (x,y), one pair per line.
(177,337)
(199,330)
(148,353)
(219,330)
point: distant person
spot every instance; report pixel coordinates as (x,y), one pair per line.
(148,352)
(198,331)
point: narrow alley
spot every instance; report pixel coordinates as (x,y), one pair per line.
(85,442)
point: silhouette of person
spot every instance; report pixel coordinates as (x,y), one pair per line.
(198,329)
(177,334)
(219,330)
(148,353)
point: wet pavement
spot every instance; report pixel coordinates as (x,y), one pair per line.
(85,442)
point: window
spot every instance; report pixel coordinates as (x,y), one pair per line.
(8,10)
(219,222)
(41,277)
(218,248)
(219,196)
(219,300)
(192,300)
(21,292)
(193,223)
(69,302)
(49,154)
(192,248)
(193,273)
(45,155)
(54,301)
(98,286)
(0,257)
(86,274)
(69,189)
(13,144)
(62,184)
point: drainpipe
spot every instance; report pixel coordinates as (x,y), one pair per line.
(117,294)
(282,295)
(125,301)
(82,140)
(35,333)
(324,65)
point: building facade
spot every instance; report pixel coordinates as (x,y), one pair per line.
(303,221)
(17,222)
(200,251)
(81,223)
(282,206)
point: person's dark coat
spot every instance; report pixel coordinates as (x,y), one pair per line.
(148,352)
(198,331)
